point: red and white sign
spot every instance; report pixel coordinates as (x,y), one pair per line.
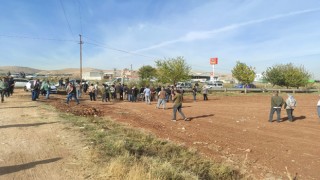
(213,61)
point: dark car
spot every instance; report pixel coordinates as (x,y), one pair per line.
(245,86)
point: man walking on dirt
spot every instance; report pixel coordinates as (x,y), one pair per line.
(177,100)
(71,91)
(276,105)
(35,88)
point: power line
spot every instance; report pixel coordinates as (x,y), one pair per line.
(99,44)
(128,52)
(65,15)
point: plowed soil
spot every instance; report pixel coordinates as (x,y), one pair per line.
(230,129)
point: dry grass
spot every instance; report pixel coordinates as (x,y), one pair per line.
(127,153)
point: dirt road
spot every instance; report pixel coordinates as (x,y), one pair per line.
(35,144)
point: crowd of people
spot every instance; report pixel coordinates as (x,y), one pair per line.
(121,92)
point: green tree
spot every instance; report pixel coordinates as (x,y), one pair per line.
(243,73)
(173,70)
(147,72)
(275,75)
(287,75)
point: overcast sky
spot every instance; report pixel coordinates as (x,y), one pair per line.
(44,34)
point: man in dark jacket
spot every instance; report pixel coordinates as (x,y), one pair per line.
(276,105)
(177,100)
(71,91)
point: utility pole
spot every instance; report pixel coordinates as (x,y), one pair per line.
(80,59)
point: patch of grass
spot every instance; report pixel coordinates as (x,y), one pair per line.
(127,153)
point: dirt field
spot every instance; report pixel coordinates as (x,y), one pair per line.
(229,129)
(232,129)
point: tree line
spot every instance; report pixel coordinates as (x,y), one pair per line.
(173,70)
(284,75)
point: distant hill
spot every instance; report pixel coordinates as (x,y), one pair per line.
(27,70)
(68,71)
(17,69)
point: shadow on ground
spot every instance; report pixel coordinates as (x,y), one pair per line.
(15,168)
(27,125)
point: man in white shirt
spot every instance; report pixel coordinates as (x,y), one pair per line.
(147,93)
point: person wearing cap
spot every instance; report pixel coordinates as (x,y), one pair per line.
(276,105)
(177,106)
(289,106)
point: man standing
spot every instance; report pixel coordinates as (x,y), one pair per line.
(46,88)
(107,92)
(205,92)
(11,86)
(276,105)
(177,100)
(162,99)
(2,89)
(35,89)
(289,106)
(147,93)
(135,93)
(194,93)
(60,82)
(118,91)
(91,92)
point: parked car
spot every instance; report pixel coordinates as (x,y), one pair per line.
(243,86)
(214,84)
(20,83)
(184,85)
(53,88)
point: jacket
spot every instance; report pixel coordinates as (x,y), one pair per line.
(177,100)
(277,101)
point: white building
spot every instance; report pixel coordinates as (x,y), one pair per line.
(92,76)
(258,78)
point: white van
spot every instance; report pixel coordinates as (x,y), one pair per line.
(214,84)
(20,83)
